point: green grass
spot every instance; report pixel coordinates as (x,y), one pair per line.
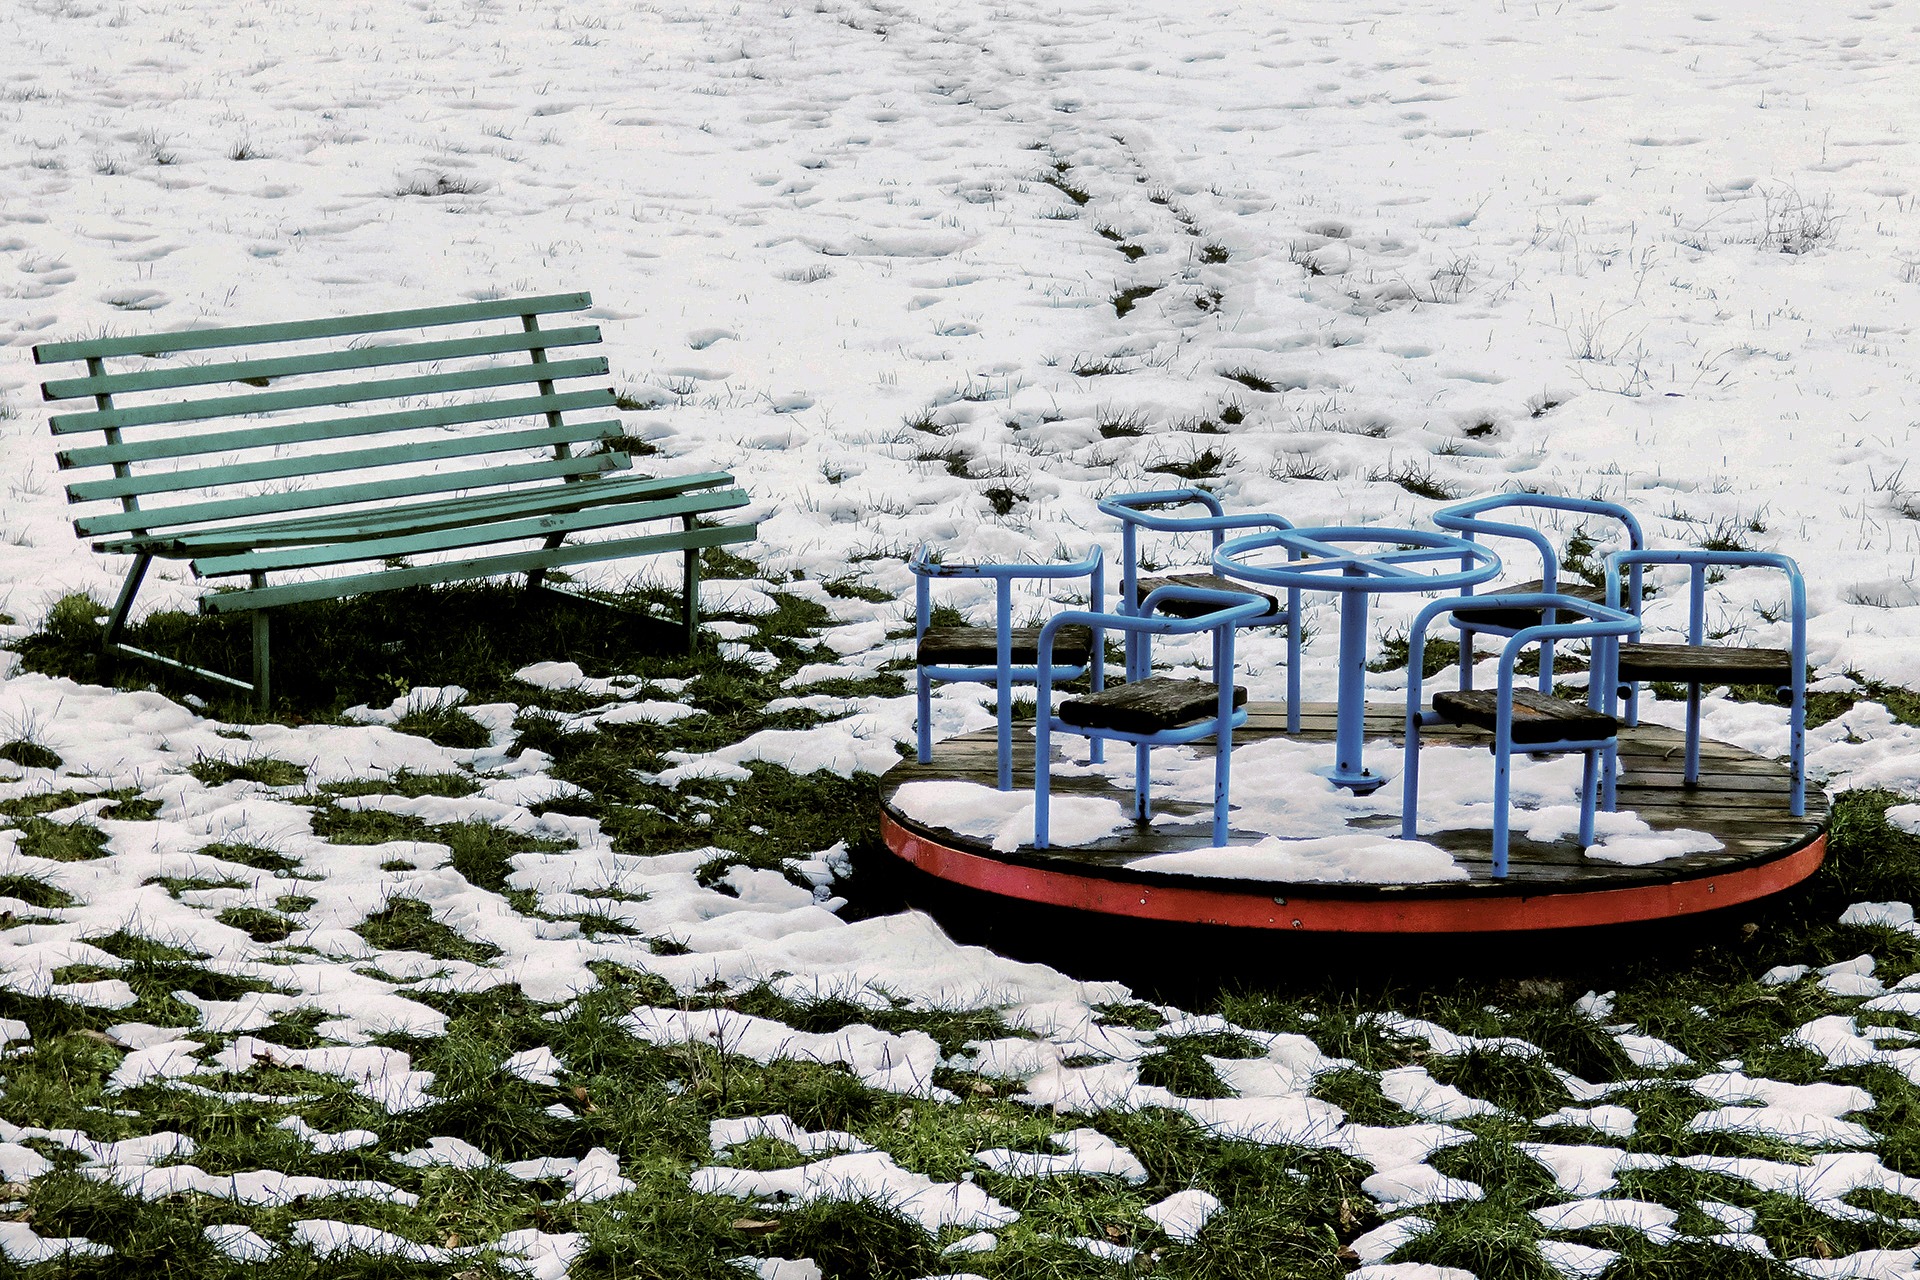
(446,726)
(62,841)
(331,655)
(29,755)
(213,771)
(35,893)
(1289,1210)
(407,924)
(251,855)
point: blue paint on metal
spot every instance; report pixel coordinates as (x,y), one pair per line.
(1699,562)
(1469,520)
(1135,511)
(1003,675)
(1234,611)
(1598,622)
(1318,560)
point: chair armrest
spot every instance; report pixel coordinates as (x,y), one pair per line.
(926,566)
(1597,621)
(1470,518)
(1699,561)
(1130,509)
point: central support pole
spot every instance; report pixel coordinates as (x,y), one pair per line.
(1351,731)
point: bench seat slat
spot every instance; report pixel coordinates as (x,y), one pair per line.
(419,517)
(201,375)
(461,445)
(471,534)
(155,344)
(230,441)
(193,513)
(343,393)
(470,570)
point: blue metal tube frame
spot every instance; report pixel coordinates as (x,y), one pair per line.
(1003,674)
(1699,561)
(1601,621)
(1233,612)
(1467,519)
(1316,562)
(1133,511)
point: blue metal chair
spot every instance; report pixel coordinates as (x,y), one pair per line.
(1003,654)
(1134,512)
(1522,719)
(1152,710)
(1698,664)
(1469,519)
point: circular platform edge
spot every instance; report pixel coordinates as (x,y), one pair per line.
(1506,913)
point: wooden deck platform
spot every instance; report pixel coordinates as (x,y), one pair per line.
(1741,799)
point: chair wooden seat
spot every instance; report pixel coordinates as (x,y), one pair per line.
(979,647)
(1537,717)
(1707,664)
(1518,618)
(1147,706)
(1195,608)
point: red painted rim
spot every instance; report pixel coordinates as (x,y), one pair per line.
(1318,912)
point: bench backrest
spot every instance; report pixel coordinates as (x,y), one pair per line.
(202,427)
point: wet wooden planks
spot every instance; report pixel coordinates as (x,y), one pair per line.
(1741,800)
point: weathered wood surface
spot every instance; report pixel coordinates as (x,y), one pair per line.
(1195,608)
(1537,717)
(1516,618)
(1147,706)
(1705,663)
(979,646)
(1741,800)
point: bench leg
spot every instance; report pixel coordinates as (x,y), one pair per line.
(117,620)
(690,588)
(535,577)
(262,687)
(117,625)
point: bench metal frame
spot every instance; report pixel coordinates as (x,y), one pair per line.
(389,508)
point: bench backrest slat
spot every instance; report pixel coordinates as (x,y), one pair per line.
(335,428)
(292,331)
(198,513)
(283,468)
(259,371)
(310,397)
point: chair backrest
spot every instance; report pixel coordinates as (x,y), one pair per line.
(1589,621)
(1473,520)
(203,426)
(926,568)
(1627,565)
(1136,511)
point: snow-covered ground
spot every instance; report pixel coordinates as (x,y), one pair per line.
(899,267)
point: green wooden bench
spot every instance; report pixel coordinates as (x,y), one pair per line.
(321,443)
